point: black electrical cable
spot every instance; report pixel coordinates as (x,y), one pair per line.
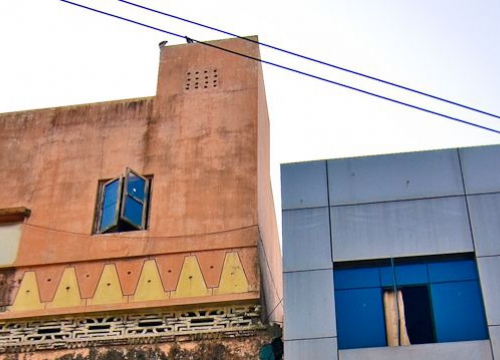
(290,69)
(273,310)
(314,60)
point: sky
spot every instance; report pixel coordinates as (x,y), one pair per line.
(54,54)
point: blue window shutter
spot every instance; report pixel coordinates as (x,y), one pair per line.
(134,201)
(110,204)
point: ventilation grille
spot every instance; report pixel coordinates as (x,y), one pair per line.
(122,329)
(206,79)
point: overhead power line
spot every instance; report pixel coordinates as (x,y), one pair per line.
(314,60)
(288,68)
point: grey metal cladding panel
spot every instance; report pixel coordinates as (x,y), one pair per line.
(306,240)
(485,221)
(495,340)
(489,273)
(394,177)
(314,349)
(303,185)
(467,350)
(309,306)
(403,228)
(481,168)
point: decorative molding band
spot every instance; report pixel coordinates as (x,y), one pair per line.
(126,283)
(124,329)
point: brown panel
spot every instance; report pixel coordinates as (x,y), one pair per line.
(249,260)
(128,273)
(211,263)
(48,278)
(8,284)
(88,275)
(170,269)
(16,282)
(14,214)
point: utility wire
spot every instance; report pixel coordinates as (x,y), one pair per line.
(273,310)
(109,235)
(314,60)
(290,69)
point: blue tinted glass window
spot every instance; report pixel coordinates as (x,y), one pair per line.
(109,216)
(386,276)
(411,274)
(441,298)
(133,211)
(356,278)
(458,311)
(360,318)
(452,270)
(136,186)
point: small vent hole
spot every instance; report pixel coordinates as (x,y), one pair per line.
(201,79)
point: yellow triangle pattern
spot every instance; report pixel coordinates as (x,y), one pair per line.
(233,279)
(108,289)
(150,286)
(68,291)
(28,295)
(191,282)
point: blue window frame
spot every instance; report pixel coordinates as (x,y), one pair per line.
(123,203)
(408,301)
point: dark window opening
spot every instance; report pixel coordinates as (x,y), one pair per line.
(123,203)
(417,311)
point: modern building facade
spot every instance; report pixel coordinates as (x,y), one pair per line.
(146,220)
(393,256)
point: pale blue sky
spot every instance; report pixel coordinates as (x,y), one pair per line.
(55,54)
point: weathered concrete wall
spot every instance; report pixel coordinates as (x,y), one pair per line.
(240,348)
(269,248)
(198,138)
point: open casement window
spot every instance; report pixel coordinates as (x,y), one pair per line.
(408,316)
(123,204)
(110,204)
(134,201)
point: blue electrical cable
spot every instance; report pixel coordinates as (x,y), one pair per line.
(314,60)
(289,69)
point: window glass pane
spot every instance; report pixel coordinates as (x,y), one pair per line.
(136,186)
(111,193)
(458,311)
(360,318)
(452,270)
(109,214)
(132,212)
(386,276)
(413,274)
(108,218)
(356,278)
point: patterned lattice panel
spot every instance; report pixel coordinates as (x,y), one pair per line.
(122,329)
